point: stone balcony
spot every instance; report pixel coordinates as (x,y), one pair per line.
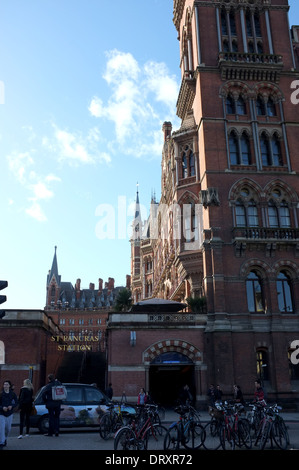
(250,66)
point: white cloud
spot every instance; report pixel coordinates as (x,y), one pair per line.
(19,163)
(76,149)
(22,165)
(35,211)
(141,99)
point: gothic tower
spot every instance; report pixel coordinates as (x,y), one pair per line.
(239,67)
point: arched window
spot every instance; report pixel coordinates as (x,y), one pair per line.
(246,216)
(272,215)
(270,150)
(188,162)
(284,293)
(265,150)
(271,109)
(254,290)
(239,149)
(230,105)
(234,149)
(192,164)
(240,214)
(190,222)
(260,106)
(241,106)
(184,166)
(276,151)
(284,215)
(245,150)
(252,215)
(279,214)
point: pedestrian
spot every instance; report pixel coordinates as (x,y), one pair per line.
(53,406)
(259,394)
(109,391)
(142,397)
(25,406)
(211,394)
(8,402)
(186,397)
(218,394)
(238,395)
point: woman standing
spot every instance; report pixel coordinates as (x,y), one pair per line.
(25,405)
(8,401)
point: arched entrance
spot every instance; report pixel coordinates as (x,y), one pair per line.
(171,364)
(168,374)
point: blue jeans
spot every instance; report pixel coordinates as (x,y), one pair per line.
(5,427)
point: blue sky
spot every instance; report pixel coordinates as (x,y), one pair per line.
(86,86)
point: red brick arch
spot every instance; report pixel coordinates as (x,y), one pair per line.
(170,345)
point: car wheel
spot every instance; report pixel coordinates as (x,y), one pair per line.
(43,424)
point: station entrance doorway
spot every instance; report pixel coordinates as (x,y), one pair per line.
(168,374)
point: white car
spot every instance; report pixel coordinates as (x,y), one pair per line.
(83,407)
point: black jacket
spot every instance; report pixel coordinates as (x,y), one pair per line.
(8,399)
(25,397)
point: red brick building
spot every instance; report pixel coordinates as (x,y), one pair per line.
(27,349)
(226,227)
(80,313)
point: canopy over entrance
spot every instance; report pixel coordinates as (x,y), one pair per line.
(158,305)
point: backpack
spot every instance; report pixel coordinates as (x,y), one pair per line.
(59,392)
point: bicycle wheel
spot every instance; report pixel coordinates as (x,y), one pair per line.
(194,436)
(125,440)
(154,437)
(244,433)
(105,426)
(263,434)
(282,423)
(171,440)
(279,435)
(227,437)
(212,438)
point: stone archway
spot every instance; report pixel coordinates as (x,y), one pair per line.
(170,364)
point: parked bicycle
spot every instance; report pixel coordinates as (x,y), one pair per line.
(187,431)
(271,430)
(113,419)
(212,428)
(235,430)
(143,434)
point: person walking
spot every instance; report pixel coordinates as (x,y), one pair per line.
(8,402)
(53,406)
(25,406)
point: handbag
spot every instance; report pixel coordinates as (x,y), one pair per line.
(33,411)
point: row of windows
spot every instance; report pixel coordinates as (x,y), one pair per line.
(240,149)
(262,365)
(238,106)
(80,321)
(247,215)
(252,32)
(256,297)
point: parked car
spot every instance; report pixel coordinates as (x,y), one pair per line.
(83,407)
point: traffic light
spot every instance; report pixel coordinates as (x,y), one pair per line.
(3,285)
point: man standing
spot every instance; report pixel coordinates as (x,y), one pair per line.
(53,406)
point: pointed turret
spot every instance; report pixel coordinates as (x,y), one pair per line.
(137,222)
(53,273)
(53,283)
